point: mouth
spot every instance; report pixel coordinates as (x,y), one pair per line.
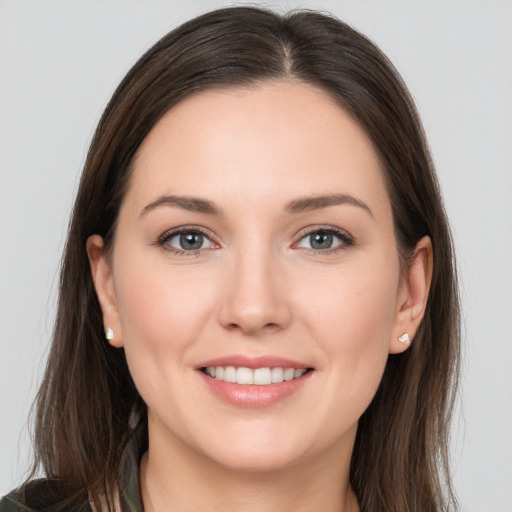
(254,382)
(264,376)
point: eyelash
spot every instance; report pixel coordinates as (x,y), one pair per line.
(163,240)
(345,239)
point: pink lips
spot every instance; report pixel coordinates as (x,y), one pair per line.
(252,395)
(253,362)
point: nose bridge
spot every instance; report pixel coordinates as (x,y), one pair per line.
(254,299)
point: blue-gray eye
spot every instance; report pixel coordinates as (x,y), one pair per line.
(323,240)
(189,241)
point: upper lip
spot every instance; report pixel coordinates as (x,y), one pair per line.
(239,360)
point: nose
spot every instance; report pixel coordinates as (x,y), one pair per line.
(254,300)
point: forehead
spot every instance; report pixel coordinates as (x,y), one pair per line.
(254,141)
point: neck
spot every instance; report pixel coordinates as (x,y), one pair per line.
(180,479)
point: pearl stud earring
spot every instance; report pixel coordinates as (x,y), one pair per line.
(109,334)
(404,338)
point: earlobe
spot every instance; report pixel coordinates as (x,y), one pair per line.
(413,296)
(104,286)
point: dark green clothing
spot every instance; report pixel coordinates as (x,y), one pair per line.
(39,496)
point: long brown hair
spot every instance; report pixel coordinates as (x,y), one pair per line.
(87,404)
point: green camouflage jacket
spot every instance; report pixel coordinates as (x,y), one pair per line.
(37,495)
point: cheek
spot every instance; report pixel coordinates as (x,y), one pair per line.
(352,323)
(356,306)
(161,313)
(161,319)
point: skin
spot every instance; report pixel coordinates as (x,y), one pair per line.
(256,288)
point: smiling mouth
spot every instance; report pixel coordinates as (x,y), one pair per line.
(259,376)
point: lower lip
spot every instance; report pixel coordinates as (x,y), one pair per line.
(251,395)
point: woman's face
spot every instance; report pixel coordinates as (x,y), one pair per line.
(255,242)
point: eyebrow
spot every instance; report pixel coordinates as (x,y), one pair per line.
(191,204)
(199,205)
(317,202)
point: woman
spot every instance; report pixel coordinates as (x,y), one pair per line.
(260,238)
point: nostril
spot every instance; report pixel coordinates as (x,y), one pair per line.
(253,307)
(250,327)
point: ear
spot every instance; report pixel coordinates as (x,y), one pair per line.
(104,286)
(412,296)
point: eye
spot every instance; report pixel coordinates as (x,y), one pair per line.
(324,240)
(186,240)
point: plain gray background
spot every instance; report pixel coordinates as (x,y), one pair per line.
(59,63)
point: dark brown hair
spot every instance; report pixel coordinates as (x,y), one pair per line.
(87,404)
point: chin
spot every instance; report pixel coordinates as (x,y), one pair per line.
(254,461)
(249,450)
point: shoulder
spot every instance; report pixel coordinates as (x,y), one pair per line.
(46,495)
(42,495)
(10,504)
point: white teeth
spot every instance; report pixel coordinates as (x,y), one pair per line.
(244,376)
(259,376)
(263,376)
(289,374)
(277,375)
(230,374)
(299,373)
